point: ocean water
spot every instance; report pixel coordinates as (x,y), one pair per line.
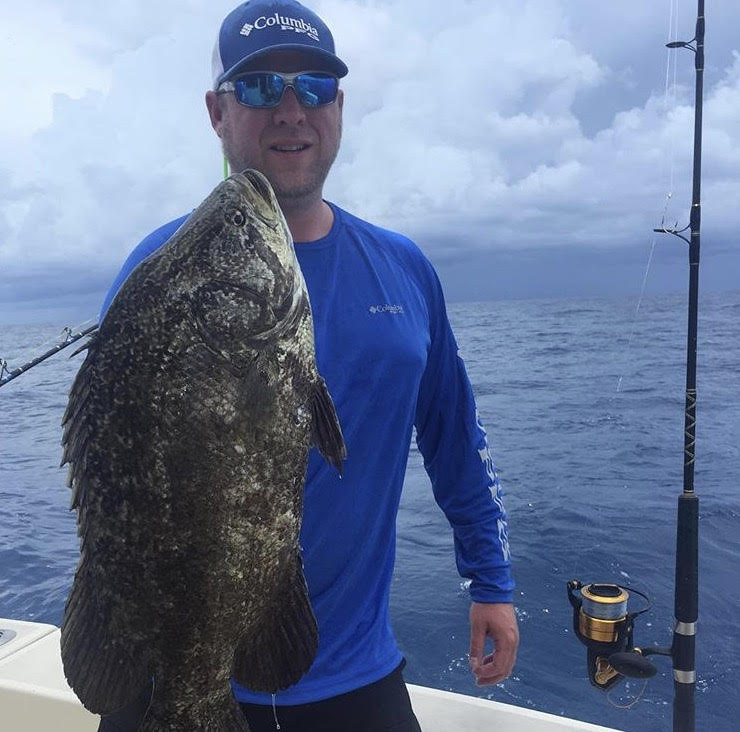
(583,402)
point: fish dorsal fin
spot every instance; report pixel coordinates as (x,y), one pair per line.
(326,433)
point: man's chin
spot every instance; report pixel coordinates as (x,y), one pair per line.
(291,189)
(290,194)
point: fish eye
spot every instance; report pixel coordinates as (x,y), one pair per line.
(236,217)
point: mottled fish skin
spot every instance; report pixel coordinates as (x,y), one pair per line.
(187,433)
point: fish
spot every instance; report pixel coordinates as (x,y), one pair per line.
(187,434)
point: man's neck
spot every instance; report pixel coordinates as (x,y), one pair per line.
(308,223)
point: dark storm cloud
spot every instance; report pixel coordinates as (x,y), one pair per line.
(484,129)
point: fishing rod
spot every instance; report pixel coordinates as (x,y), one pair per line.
(69,336)
(600,617)
(686,605)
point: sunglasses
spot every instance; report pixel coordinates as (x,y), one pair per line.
(265,89)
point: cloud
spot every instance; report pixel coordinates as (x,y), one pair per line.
(37,58)
(472,126)
(118,156)
(457,120)
(506,160)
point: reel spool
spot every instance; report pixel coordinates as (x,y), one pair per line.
(603,612)
(603,624)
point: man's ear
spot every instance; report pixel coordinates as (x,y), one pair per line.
(215,111)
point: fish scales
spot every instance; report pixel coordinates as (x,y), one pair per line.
(187,433)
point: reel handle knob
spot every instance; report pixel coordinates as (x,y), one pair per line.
(632,664)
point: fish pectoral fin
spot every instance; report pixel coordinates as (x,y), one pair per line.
(326,432)
(284,648)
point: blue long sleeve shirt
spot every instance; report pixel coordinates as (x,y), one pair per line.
(386,350)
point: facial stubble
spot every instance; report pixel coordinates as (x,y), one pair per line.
(296,193)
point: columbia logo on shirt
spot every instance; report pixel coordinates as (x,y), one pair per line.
(393,309)
(286,23)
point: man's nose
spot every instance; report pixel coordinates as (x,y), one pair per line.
(290,111)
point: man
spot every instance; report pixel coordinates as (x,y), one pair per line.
(387,353)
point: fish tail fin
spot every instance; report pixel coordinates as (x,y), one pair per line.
(224,715)
(326,430)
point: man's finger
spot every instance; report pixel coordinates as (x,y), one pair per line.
(490,680)
(493,668)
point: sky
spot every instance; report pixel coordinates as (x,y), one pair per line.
(528,146)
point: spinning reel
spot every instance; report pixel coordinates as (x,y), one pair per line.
(602,623)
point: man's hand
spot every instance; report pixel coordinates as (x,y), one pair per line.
(496,621)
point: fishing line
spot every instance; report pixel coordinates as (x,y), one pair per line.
(668,166)
(637,309)
(616,705)
(674,93)
(274,713)
(666,106)
(668,50)
(669,102)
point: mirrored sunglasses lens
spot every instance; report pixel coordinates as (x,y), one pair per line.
(316,89)
(259,90)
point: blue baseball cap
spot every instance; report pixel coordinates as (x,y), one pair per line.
(258,27)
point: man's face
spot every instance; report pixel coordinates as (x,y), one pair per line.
(293,145)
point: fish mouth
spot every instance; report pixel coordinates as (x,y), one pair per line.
(263,202)
(259,183)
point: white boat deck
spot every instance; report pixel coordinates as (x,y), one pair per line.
(35,697)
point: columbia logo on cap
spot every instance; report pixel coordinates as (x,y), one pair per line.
(286,23)
(259,27)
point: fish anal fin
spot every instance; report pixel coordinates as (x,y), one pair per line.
(326,433)
(279,655)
